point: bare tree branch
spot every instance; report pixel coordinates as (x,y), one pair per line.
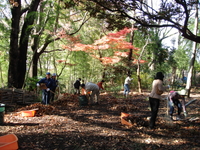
(54,50)
(169,13)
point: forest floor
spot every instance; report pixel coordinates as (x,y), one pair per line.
(64,125)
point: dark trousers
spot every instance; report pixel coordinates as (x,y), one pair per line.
(52,95)
(178,104)
(154,104)
(77,90)
(45,97)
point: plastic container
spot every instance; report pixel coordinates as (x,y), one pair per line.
(9,142)
(83,101)
(2,107)
(28,113)
(2,111)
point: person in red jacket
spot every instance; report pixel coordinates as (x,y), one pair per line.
(100,84)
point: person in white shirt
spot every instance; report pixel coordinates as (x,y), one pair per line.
(94,88)
(155,97)
(126,85)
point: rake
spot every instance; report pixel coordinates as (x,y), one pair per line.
(44,87)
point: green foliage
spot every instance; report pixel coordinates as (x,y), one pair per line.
(146,81)
(181,58)
(70,15)
(4,49)
(172,61)
(115,88)
(30,83)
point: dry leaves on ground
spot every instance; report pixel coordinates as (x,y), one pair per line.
(66,125)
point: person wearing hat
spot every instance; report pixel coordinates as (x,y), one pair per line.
(155,96)
(53,87)
(47,81)
(173,99)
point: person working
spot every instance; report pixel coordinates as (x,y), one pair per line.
(94,88)
(54,86)
(47,81)
(173,99)
(126,85)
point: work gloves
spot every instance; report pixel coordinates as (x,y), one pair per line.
(172,104)
(185,113)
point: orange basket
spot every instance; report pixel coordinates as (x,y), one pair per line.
(28,113)
(8,142)
(123,121)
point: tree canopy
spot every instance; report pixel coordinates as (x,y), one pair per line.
(37,30)
(169,13)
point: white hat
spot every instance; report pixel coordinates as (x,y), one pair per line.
(54,74)
(182,92)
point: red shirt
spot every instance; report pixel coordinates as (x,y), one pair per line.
(100,85)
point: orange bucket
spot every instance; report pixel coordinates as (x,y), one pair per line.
(28,113)
(8,142)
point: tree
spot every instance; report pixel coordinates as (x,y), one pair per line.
(194,49)
(45,35)
(169,13)
(111,51)
(138,68)
(31,21)
(19,39)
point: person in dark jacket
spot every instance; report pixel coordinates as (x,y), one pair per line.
(47,81)
(54,86)
(77,85)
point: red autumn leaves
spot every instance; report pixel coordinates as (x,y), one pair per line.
(115,41)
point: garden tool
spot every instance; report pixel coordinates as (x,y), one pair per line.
(43,86)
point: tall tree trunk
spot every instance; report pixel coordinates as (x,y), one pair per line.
(138,68)
(130,51)
(35,64)
(35,56)
(192,61)
(18,52)
(14,51)
(48,40)
(24,40)
(138,77)
(36,40)
(173,75)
